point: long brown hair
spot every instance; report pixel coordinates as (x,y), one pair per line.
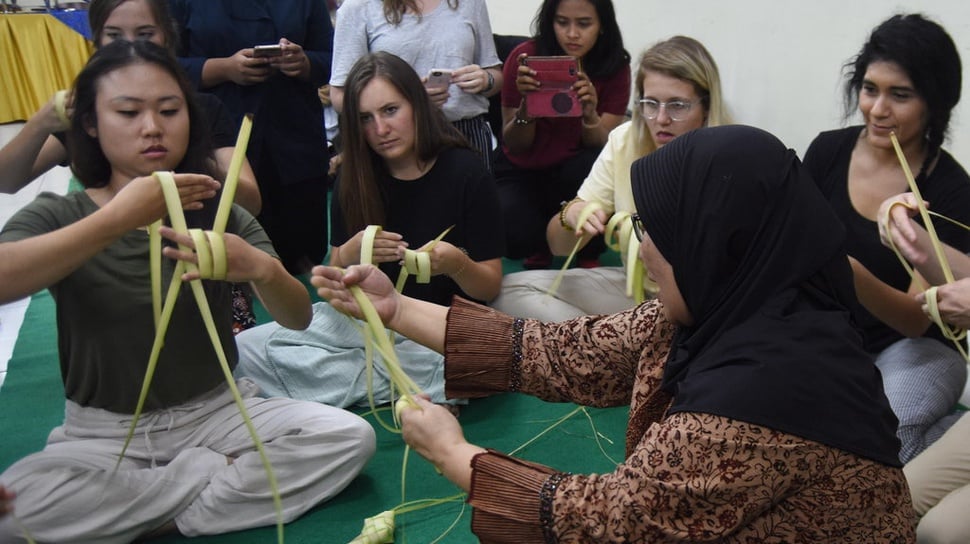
(394,10)
(359,195)
(100,10)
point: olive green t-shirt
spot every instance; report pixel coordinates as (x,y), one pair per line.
(105,323)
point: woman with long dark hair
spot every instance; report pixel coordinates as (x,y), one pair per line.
(408,170)
(904,81)
(543,160)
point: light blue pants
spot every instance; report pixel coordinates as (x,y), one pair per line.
(326,362)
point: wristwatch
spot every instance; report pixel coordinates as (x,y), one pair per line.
(491,83)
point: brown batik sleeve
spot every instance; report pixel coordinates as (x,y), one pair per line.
(512,499)
(591,360)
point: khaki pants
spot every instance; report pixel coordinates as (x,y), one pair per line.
(939,480)
(583,291)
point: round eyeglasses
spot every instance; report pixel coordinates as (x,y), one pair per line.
(677,110)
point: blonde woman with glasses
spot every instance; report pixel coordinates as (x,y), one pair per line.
(678,89)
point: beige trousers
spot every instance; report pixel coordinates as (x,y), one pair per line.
(939,480)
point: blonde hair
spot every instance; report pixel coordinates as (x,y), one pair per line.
(686,59)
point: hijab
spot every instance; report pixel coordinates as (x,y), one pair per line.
(758,256)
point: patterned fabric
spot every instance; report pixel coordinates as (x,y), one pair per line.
(688,477)
(242,309)
(700,477)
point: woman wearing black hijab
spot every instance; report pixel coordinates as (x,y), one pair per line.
(755,414)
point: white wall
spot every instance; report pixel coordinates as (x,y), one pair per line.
(780,60)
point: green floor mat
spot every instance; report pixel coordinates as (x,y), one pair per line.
(32,403)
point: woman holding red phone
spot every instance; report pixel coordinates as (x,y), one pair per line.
(543,160)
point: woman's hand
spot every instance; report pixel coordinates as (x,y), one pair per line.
(293,62)
(431,430)
(388,248)
(953,301)
(141,202)
(438,95)
(896,226)
(472,79)
(445,258)
(243,68)
(435,434)
(48,117)
(333,285)
(595,224)
(587,97)
(244,263)
(525,78)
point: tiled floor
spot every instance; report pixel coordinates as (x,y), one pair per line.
(12,314)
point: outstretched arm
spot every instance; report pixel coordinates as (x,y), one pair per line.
(423,322)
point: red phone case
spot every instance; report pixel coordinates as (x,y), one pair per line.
(555,97)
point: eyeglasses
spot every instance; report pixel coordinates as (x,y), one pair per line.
(637,226)
(677,110)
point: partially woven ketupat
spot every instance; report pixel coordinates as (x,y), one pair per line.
(377,529)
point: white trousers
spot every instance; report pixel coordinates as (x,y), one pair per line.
(583,291)
(177,468)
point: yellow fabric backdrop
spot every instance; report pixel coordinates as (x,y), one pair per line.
(38,56)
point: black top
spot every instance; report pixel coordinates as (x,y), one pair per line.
(456,191)
(758,257)
(946,188)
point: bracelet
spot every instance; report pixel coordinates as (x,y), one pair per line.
(592,125)
(464,264)
(563,206)
(520,121)
(491,83)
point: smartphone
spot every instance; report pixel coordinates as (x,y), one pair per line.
(270,50)
(555,97)
(438,77)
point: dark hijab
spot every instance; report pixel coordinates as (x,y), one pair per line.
(758,257)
